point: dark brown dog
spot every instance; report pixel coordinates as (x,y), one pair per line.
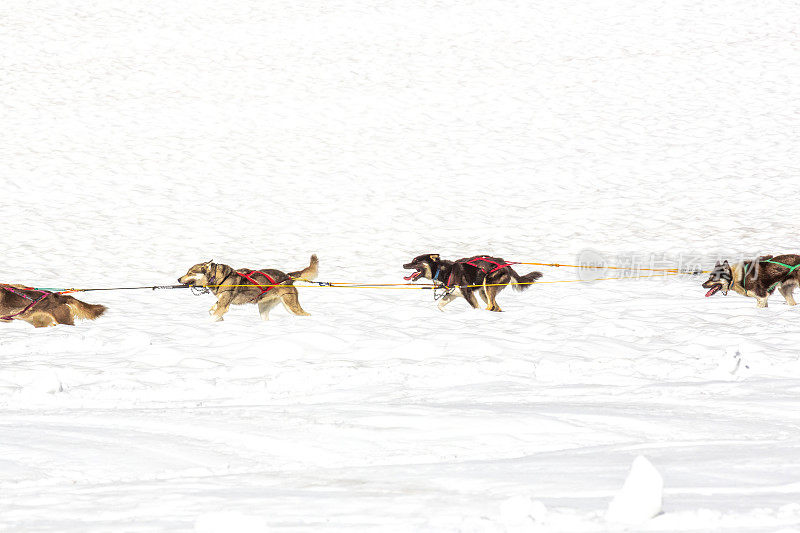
(481,274)
(43,308)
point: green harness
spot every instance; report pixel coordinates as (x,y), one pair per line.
(747,266)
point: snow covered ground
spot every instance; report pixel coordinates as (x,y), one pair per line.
(139,138)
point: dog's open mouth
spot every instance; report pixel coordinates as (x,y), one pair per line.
(713,290)
(413,276)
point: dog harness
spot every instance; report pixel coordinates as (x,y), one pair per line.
(483,268)
(249,277)
(33,302)
(747,267)
(487,259)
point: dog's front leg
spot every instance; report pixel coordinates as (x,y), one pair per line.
(446,299)
(221,307)
(469,296)
(762,301)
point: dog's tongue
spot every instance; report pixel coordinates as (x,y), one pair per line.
(711,291)
(411,277)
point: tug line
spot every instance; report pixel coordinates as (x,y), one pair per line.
(385,286)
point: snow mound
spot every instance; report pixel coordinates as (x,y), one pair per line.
(639,499)
(521,512)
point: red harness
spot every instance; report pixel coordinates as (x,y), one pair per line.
(249,278)
(486,259)
(33,302)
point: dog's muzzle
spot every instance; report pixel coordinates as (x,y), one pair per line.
(714,287)
(414,275)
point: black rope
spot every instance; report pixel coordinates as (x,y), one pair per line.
(151,287)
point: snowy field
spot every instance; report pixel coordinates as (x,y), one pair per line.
(139,138)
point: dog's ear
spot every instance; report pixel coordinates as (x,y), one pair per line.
(725,263)
(434,257)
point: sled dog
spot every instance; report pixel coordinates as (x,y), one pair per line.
(265,287)
(758,278)
(43,308)
(481,274)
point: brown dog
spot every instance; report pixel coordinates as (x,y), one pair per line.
(758,278)
(266,287)
(43,308)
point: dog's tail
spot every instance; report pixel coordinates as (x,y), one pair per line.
(309,272)
(522,283)
(83,310)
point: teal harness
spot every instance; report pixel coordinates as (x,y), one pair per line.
(747,266)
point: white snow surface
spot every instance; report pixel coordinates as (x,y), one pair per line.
(640,498)
(140,138)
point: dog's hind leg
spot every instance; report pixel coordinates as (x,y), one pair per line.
(484,296)
(786,289)
(265,306)
(292,303)
(493,291)
(63,314)
(41,320)
(492,286)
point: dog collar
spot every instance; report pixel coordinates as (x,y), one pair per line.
(223,279)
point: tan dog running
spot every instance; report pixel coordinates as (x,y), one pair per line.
(264,287)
